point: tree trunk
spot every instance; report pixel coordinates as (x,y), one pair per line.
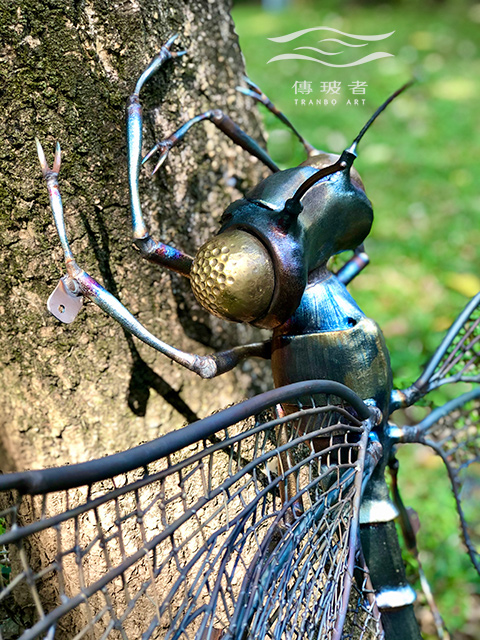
(79,391)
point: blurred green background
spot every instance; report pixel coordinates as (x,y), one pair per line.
(419,163)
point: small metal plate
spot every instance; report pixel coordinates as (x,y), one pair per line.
(63,304)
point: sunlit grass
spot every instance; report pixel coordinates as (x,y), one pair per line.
(419,163)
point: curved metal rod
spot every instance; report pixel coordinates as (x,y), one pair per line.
(354,266)
(86,473)
(429,380)
(154,251)
(471,549)
(257,94)
(417,433)
(16,534)
(79,282)
(446,342)
(225,124)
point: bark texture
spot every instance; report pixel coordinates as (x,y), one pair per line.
(73,392)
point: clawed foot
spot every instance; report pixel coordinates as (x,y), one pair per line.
(162,56)
(164,147)
(254,92)
(46,171)
(51,177)
(168,44)
(66,300)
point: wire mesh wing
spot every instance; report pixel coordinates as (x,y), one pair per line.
(299,582)
(453,431)
(458,356)
(241,522)
(363,620)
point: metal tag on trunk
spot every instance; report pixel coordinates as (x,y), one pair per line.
(64,304)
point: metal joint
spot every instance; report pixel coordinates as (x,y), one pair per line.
(403,434)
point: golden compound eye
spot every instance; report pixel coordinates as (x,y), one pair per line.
(232,276)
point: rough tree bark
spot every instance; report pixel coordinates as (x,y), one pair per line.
(74,392)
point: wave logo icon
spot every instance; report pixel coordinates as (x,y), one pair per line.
(300,56)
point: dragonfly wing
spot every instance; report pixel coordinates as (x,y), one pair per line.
(453,432)
(363,616)
(157,541)
(457,359)
(300,581)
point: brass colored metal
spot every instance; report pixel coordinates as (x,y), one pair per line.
(232,276)
(356,357)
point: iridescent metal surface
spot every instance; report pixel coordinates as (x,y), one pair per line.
(329,336)
(336,214)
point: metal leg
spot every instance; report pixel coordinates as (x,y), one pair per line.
(79,283)
(222,122)
(150,249)
(409,531)
(354,266)
(455,360)
(257,94)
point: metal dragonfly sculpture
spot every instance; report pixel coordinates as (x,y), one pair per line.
(272,518)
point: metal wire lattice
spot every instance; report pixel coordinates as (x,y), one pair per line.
(458,357)
(249,528)
(363,619)
(455,437)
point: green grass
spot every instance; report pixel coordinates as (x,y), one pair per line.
(452,577)
(419,163)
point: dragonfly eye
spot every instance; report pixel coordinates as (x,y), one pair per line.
(232,276)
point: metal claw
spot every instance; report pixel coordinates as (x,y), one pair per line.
(55,198)
(165,149)
(252,85)
(41,157)
(168,44)
(43,161)
(247,92)
(58,159)
(161,160)
(164,54)
(153,150)
(66,300)
(170,41)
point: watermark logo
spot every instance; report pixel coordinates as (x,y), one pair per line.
(331,88)
(299,56)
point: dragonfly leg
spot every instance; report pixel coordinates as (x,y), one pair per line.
(253,91)
(80,283)
(222,122)
(152,250)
